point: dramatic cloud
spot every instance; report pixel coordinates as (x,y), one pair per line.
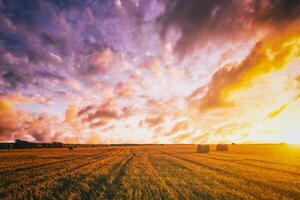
(270,54)
(7,119)
(103,114)
(149,71)
(200,20)
(18,124)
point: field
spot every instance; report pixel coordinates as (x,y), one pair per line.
(151,172)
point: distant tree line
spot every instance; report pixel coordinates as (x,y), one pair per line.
(22,144)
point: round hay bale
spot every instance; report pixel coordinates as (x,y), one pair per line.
(71,148)
(203,148)
(222,147)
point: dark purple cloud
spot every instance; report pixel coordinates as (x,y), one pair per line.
(55,39)
(200,21)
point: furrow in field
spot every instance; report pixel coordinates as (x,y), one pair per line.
(262,185)
(271,162)
(87,185)
(99,186)
(48,163)
(192,182)
(282,158)
(217,156)
(141,181)
(163,185)
(170,187)
(56,174)
(114,185)
(247,164)
(47,170)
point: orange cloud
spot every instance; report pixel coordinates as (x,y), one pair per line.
(94,138)
(273,114)
(127,112)
(154,121)
(298,79)
(270,54)
(183,125)
(158,130)
(71,113)
(5,107)
(17,124)
(101,115)
(85,110)
(124,90)
(100,123)
(8,122)
(180,138)
(204,138)
(105,113)
(152,65)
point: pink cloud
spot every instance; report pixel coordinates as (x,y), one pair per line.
(100,115)
(124,89)
(153,65)
(179,126)
(154,121)
(98,62)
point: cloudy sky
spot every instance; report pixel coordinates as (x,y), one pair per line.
(150,71)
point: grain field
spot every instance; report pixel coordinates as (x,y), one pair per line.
(151,172)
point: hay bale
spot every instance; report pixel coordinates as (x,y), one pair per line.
(71,148)
(202,148)
(233,143)
(222,147)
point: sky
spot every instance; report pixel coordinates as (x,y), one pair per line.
(150,71)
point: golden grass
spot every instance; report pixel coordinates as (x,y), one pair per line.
(151,172)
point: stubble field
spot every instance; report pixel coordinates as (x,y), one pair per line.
(151,172)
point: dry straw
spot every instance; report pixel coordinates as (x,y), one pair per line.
(222,147)
(202,148)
